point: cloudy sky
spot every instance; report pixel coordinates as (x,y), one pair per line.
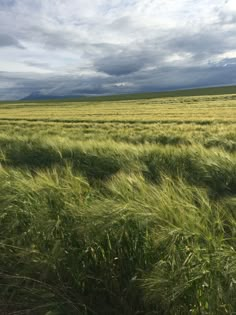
(93,47)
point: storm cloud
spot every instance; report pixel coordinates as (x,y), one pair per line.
(77,47)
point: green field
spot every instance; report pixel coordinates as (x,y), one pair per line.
(119,207)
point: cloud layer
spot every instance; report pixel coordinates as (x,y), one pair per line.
(78,47)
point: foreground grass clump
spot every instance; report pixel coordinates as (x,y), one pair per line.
(130,246)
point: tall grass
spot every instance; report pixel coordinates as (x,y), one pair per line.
(122,216)
(215,169)
(132,246)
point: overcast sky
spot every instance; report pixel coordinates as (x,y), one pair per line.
(91,47)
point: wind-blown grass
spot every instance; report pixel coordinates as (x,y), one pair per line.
(85,250)
(118,217)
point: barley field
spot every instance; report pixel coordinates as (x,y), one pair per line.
(118,207)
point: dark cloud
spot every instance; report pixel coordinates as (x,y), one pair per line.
(128,60)
(119,65)
(226,62)
(37,64)
(203,45)
(7,3)
(7,40)
(162,78)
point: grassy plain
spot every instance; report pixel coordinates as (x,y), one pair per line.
(121,207)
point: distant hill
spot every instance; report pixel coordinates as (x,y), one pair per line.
(41,97)
(176,93)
